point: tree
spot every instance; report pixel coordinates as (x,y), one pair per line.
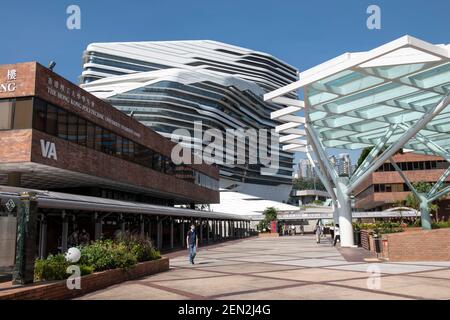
(364,153)
(307,184)
(413,202)
(270,214)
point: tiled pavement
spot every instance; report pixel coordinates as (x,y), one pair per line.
(284,268)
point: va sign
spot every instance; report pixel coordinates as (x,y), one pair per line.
(48,150)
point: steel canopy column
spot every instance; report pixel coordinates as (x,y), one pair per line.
(43,237)
(98,226)
(200,222)
(158,232)
(122,224)
(343,200)
(207,231)
(171,233)
(142,226)
(182,233)
(345,213)
(424,211)
(65,231)
(325,165)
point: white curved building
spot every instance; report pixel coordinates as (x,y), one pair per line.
(169,85)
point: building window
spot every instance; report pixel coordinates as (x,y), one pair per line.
(98,138)
(51,124)
(6,114)
(40,115)
(82,133)
(72,128)
(23,113)
(157,165)
(108,142)
(90,130)
(68,126)
(118,147)
(62,124)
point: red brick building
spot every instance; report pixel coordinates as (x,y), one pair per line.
(56,136)
(385,187)
(94,169)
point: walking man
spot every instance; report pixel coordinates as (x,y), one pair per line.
(192,243)
(318,231)
(337,234)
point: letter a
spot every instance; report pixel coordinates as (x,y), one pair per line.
(374,20)
(74,20)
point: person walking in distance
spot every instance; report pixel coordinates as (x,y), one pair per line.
(337,235)
(318,231)
(192,243)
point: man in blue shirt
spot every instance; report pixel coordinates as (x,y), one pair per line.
(192,243)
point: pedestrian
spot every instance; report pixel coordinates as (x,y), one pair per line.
(192,243)
(318,231)
(84,237)
(337,235)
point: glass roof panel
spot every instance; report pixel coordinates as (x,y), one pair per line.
(355,106)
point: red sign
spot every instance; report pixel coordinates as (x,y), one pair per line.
(273,227)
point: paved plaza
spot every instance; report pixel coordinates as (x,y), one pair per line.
(285,268)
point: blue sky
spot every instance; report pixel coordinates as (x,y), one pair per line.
(302,33)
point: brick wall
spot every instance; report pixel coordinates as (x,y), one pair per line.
(422,245)
(58,290)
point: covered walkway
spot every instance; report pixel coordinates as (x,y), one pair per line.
(284,268)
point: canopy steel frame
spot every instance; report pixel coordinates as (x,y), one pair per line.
(363,99)
(424,211)
(404,138)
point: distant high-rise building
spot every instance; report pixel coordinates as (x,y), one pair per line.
(342,163)
(305,169)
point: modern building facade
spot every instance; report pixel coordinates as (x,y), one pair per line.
(385,188)
(169,85)
(86,165)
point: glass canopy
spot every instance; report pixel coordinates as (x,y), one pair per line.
(353,100)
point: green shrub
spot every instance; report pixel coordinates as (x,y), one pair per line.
(440,224)
(106,254)
(98,256)
(54,267)
(141,247)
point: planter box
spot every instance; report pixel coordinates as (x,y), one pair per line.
(57,290)
(411,229)
(420,245)
(365,239)
(268,235)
